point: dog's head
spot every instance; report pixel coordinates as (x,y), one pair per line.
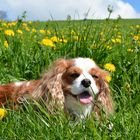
(81,81)
(76,83)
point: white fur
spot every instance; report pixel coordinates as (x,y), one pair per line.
(76,108)
(84,63)
(18,83)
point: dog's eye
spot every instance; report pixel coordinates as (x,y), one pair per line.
(74,75)
(95,76)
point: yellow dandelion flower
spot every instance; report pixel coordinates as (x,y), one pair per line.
(24,24)
(47,42)
(108,78)
(110,67)
(19,31)
(9,32)
(130,50)
(33,30)
(136,37)
(27,29)
(55,39)
(42,31)
(3,113)
(137,26)
(116,40)
(10,24)
(5,44)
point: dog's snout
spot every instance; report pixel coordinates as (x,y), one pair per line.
(86,83)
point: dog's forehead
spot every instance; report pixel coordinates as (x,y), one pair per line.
(84,64)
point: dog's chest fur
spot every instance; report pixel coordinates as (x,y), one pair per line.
(76,108)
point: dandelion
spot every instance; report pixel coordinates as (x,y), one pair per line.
(10,24)
(24,24)
(42,31)
(19,31)
(130,50)
(108,78)
(136,37)
(9,32)
(116,40)
(47,42)
(5,44)
(110,67)
(27,28)
(55,39)
(33,30)
(3,113)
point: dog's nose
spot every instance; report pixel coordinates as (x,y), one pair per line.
(86,83)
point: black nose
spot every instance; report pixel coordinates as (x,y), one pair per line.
(86,83)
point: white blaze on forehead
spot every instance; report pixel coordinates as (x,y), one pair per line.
(84,63)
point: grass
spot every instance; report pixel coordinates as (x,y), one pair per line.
(25,58)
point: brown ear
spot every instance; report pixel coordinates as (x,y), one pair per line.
(50,88)
(60,66)
(104,100)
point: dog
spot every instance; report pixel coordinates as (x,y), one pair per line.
(77,85)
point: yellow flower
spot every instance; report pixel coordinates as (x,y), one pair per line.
(27,28)
(47,42)
(9,32)
(109,67)
(42,31)
(24,24)
(10,24)
(6,44)
(55,39)
(130,50)
(33,30)
(136,38)
(108,78)
(19,31)
(117,40)
(3,112)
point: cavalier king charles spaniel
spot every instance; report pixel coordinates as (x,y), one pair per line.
(77,85)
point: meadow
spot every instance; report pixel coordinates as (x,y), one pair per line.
(28,48)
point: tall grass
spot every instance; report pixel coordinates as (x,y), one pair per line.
(25,58)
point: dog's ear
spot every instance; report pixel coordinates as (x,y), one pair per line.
(60,66)
(50,87)
(104,100)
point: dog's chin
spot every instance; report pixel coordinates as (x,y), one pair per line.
(84,98)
